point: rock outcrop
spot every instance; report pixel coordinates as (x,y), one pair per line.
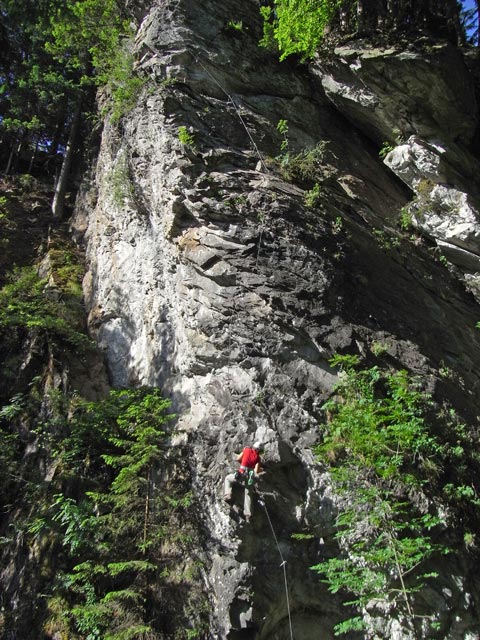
(421,104)
(229,278)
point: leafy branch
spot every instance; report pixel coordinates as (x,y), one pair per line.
(297,27)
(375,442)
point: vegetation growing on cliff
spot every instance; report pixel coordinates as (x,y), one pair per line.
(300,26)
(386,464)
(297,27)
(117,512)
(27,303)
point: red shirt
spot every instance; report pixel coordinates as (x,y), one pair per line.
(250,458)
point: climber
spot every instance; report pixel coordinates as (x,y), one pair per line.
(250,468)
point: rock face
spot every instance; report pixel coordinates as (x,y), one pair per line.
(429,127)
(228,279)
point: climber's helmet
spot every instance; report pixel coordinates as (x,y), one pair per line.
(257,446)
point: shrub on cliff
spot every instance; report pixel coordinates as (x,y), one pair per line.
(388,467)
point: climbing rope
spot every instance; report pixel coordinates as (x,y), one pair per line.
(262,226)
(261,502)
(267,171)
(237,111)
(254,144)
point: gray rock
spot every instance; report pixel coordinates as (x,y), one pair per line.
(419,92)
(211,278)
(441,211)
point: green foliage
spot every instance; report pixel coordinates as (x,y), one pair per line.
(385,546)
(385,150)
(94,33)
(337,225)
(378,348)
(3,208)
(462,493)
(353,624)
(185,137)
(384,433)
(125,432)
(26,181)
(36,90)
(446,372)
(9,457)
(306,167)
(125,422)
(120,183)
(302,536)
(235,25)
(297,26)
(282,128)
(469,539)
(385,239)
(122,515)
(56,53)
(66,272)
(84,32)
(77,521)
(14,408)
(380,451)
(123,83)
(406,219)
(313,196)
(25,304)
(138,445)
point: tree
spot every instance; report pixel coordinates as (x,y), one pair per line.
(471,23)
(35,89)
(377,444)
(85,36)
(58,52)
(114,527)
(297,26)
(300,26)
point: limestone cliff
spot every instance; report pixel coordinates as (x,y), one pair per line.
(229,279)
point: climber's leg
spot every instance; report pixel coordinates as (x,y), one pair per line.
(229,481)
(247,504)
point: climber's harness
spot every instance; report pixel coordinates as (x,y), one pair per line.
(245,475)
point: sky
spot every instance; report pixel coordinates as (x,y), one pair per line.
(468,4)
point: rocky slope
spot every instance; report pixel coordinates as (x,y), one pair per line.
(229,279)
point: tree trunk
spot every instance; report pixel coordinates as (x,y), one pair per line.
(33,157)
(62,183)
(10,159)
(147,510)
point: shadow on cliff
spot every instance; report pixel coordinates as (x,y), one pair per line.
(280,551)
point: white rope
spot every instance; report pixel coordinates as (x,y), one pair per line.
(283,565)
(257,150)
(237,111)
(267,170)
